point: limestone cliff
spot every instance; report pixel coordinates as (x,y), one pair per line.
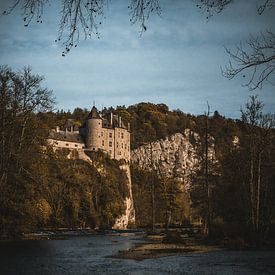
(128,217)
(176,156)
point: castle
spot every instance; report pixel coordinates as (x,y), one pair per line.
(100,131)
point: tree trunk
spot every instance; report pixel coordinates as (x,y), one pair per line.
(252,190)
(258,191)
(152,190)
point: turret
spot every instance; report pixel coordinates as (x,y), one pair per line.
(93,130)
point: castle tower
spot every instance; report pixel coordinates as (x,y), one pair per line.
(93,130)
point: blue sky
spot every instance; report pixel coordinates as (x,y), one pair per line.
(176,61)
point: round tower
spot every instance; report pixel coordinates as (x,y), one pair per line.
(93,130)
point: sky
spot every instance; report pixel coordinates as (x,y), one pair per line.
(177,61)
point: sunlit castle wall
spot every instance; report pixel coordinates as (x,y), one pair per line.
(122,144)
(93,133)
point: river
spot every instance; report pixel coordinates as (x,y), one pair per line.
(91,255)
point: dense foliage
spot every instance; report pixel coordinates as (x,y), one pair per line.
(171,201)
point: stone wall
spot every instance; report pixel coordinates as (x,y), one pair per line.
(66,144)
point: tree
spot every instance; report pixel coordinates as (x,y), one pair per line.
(256,57)
(22,135)
(204,179)
(258,128)
(258,61)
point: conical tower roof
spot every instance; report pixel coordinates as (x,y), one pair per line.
(94,113)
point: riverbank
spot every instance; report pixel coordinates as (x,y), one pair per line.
(156,246)
(157,250)
(174,243)
(64,233)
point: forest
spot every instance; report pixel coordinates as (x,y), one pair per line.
(233,197)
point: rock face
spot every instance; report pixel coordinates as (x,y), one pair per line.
(175,156)
(129,216)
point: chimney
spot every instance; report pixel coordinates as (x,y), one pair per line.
(119,121)
(111,119)
(128,126)
(57,129)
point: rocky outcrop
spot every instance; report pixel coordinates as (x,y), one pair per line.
(128,218)
(177,156)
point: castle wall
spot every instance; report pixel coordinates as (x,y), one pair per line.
(65,144)
(115,142)
(122,144)
(107,141)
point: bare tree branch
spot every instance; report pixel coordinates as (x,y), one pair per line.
(268,4)
(81,18)
(211,7)
(140,11)
(30,9)
(258,61)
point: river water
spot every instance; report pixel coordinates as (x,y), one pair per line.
(90,255)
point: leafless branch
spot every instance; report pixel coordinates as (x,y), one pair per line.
(30,9)
(268,4)
(140,11)
(211,7)
(80,17)
(258,61)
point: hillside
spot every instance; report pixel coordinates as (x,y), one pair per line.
(175,180)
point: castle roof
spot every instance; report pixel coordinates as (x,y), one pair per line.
(94,113)
(70,123)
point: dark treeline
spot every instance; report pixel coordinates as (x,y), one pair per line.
(231,195)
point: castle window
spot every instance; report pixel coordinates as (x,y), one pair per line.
(110,144)
(117,145)
(75,145)
(110,135)
(122,145)
(67,144)
(121,135)
(102,134)
(98,123)
(110,152)
(102,142)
